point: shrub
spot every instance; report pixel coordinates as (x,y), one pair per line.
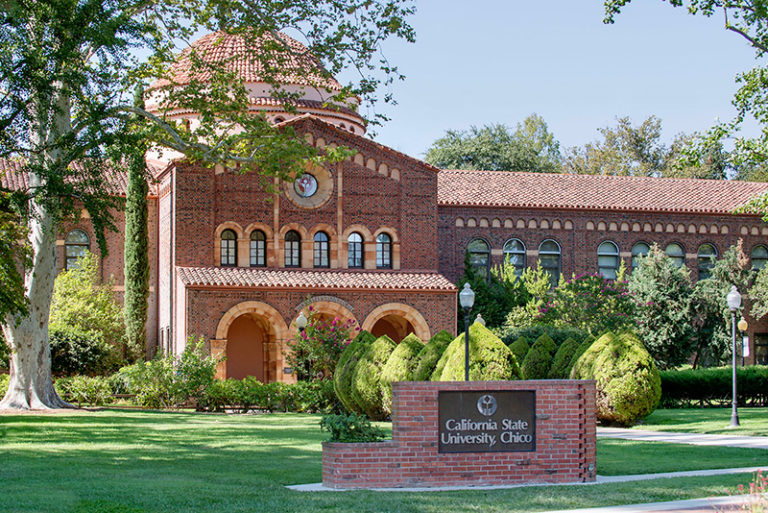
(399,367)
(712,386)
(557,334)
(430,354)
(171,381)
(519,348)
(561,363)
(4,380)
(79,353)
(316,349)
(365,382)
(489,358)
(580,351)
(628,382)
(539,358)
(345,370)
(95,390)
(350,428)
(82,305)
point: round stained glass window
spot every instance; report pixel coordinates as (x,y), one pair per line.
(305,186)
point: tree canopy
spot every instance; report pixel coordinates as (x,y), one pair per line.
(530,147)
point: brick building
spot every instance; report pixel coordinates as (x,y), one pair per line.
(380,238)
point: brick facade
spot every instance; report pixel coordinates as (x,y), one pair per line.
(565,442)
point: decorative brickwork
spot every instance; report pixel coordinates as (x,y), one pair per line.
(565,445)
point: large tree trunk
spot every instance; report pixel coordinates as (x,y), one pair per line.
(31,383)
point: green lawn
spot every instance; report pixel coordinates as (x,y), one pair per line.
(131,461)
(754,421)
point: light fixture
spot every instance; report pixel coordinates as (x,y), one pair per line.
(734,302)
(301,321)
(467,297)
(734,299)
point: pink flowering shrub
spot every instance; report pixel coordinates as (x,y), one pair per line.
(589,302)
(315,350)
(757,501)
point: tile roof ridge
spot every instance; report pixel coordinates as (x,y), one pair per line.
(605,177)
(382,147)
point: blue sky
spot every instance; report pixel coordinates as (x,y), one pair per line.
(495,61)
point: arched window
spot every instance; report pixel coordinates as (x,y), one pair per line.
(320,250)
(639,250)
(258,249)
(355,251)
(676,253)
(292,249)
(608,260)
(479,256)
(75,246)
(514,254)
(759,257)
(228,248)
(549,259)
(384,251)
(706,259)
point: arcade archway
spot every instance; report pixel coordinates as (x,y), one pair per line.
(397,320)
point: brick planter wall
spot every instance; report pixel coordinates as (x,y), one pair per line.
(565,442)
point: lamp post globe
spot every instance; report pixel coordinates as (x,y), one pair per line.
(734,303)
(301,321)
(466,300)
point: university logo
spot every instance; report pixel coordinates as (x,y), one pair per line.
(487,405)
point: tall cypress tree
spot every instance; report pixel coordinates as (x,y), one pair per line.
(136,254)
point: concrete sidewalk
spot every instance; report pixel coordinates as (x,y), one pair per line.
(709,505)
(748,442)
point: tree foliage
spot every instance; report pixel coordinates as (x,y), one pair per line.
(663,294)
(748,19)
(530,147)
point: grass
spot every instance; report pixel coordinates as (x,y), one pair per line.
(754,421)
(114,461)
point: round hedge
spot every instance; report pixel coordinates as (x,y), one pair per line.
(539,358)
(628,382)
(430,354)
(345,370)
(580,351)
(519,348)
(367,375)
(561,363)
(489,358)
(399,367)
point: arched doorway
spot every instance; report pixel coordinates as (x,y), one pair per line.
(252,336)
(397,320)
(246,346)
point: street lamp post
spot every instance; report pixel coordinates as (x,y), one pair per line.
(734,302)
(466,299)
(301,321)
(743,326)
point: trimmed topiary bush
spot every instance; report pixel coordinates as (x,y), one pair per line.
(580,351)
(399,367)
(366,391)
(557,334)
(539,358)
(345,370)
(628,382)
(519,348)
(489,358)
(561,363)
(430,354)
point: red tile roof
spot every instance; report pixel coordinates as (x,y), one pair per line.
(592,192)
(249,277)
(234,52)
(14,176)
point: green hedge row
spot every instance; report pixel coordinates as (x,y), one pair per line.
(244,395)
(713,386)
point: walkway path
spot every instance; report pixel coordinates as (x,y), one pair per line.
(749,442)
(709,505)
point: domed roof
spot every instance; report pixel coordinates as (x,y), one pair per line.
(232,52)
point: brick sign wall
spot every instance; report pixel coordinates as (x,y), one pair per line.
(563,430)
